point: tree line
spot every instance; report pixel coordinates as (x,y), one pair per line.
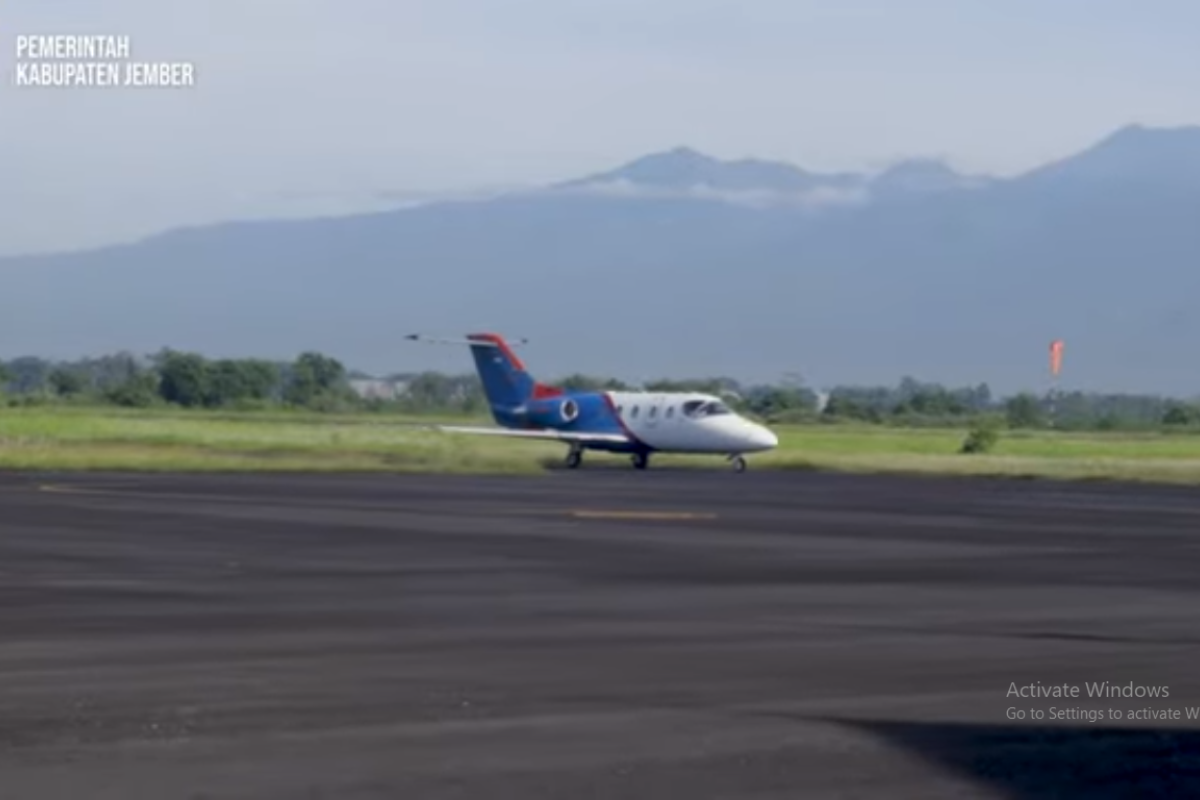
(189,380)
(318,382)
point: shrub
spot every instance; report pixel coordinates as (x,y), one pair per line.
(982,436)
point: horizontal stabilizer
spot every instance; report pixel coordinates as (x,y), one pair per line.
(543,434)
(420,337)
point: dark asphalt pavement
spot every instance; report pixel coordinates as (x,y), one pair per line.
(593,635)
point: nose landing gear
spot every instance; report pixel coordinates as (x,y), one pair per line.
(738,463)
(640,460)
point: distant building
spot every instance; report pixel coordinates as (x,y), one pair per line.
(375,389)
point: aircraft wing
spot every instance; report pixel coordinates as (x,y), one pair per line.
(582,437)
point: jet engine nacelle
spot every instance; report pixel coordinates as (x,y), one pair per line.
(553,412)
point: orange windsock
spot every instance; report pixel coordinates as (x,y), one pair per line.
(1056,354)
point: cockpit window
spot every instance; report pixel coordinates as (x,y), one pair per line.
(701,408)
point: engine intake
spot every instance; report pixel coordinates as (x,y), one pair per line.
(553,412)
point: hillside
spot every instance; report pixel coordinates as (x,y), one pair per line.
(682,264)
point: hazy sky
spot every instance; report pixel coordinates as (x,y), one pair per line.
(321,105)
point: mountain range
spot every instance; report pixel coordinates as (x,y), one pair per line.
(681,264)
(686,173)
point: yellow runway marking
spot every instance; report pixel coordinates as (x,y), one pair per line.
(54,489)
(131,492)
(585,514)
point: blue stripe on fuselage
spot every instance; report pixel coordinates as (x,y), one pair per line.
(596,415)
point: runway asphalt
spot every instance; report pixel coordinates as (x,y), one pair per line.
(602,634)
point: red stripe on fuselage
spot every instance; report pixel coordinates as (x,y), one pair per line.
(608,401)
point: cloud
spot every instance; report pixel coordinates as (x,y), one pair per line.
(819,197)
(356,96)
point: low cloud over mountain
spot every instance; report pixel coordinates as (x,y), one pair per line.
(679,263)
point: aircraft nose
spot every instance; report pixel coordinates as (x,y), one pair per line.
(764,438)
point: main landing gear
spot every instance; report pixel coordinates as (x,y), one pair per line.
(574,457)
(642,460)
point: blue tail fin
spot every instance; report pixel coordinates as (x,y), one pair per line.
(505,380)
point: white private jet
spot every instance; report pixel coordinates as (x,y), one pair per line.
(637,423)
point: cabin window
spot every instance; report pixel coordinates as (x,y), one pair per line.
(670,411)
(634,413)
(653,412)
(620,410)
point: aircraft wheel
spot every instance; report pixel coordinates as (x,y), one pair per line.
(574,459)
(640,460)
(739,464)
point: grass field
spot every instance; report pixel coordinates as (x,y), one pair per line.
(110,439)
